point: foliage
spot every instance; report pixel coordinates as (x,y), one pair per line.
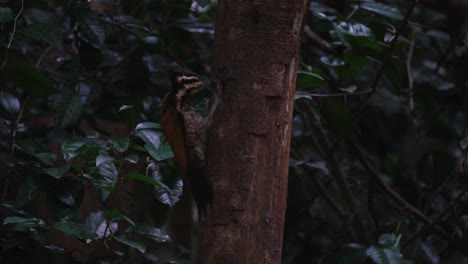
(87,176)
(378,127)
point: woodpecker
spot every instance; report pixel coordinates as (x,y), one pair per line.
(186,115)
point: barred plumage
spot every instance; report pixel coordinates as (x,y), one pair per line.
(195,104)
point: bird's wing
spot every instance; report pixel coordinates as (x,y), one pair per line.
(173,128)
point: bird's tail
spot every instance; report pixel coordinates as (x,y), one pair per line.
(201,188)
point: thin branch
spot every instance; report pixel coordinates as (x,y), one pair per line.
(12,34)
(410,75)
(5,187)
(42,56)
(317,40)
(437,219)
(352,13)
(308,123)
(370,202)
(333,94)
(322,146)
(14,129)
(340,178)
(341,212)
(409,70)
(444,56)
(328,198)
(333,163)
(394,195)
(393,45)
(320,133)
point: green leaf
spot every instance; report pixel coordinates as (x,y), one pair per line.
(10,103)
(139,148)
(151,232)
(121,145)
(27,191)
(182,261)
(152,146)
(151,40)
(390,241)
(349,254)
(71,149)
(70,192)
(35,15)
(311,73)
(109,173)
(302,95)
(355,61)
(67,198)
(22,224)
(132,158)
(337,116)
(310,79)
(139,31)
(38,31)
(115,214)
(386,256)
(6,15)
(57,172)
(171,191)
(358,36)
(164,152)
(29,146)
(149,137)
(67,108)
(75,229)
(352,29)
(131,243)
(464,143)
(20,220)
(103,157)
(94,220)
(148,125)
(125,107)
(349,89)
(152,151)
(44,32)
(365,44)
(94,30)
(203,2)
(145,179)
(100,225)
(382,9)
(47,158)
(387,101)
(333,62)
(430,253)
(28,78)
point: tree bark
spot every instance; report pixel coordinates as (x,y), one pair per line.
(255,63)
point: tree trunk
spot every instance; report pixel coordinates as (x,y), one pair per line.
(255,62)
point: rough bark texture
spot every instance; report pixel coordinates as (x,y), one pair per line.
(255,60)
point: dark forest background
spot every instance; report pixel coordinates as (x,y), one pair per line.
(377,167)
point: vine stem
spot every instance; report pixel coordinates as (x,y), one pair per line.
(14,129)
(392,46)
(12,34)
